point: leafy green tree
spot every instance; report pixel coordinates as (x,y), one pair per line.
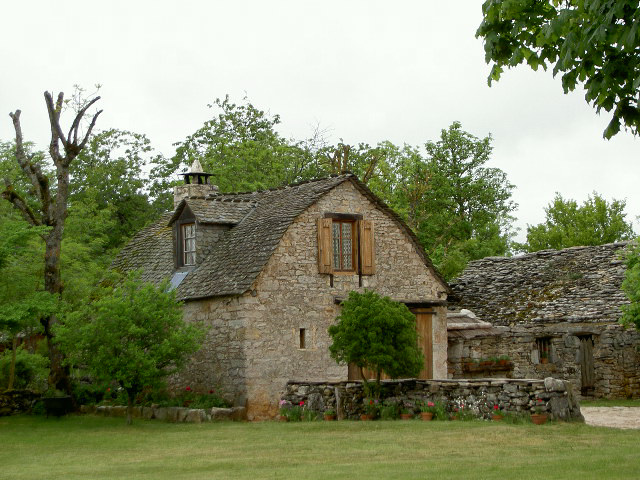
(49,204)
(595,222)
(631,287)
(594,42)
(377,334)
(459,208)
(243,150)
(132,334)
(110,175)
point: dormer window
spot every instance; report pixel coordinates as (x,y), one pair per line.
(188,244)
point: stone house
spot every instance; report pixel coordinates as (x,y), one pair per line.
(265,271)
(553,313)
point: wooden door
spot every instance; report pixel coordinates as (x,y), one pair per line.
(587,369)
(424,325)
(425,335)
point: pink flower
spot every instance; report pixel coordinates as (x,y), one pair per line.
(431,404)
(188,389)
(301,403)
(283,402)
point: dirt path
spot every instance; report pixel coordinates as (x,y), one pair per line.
(615,417)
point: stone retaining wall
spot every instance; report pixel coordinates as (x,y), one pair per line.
(13,402)
(169,414)
(517,396)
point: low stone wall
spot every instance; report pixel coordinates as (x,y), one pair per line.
(13,402)
(169,414)
(517,396)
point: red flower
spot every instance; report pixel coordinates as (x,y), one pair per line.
(370,402)
(188,389)
(109,389)
(211,391)
(496,407)
(431,404)
(301,403)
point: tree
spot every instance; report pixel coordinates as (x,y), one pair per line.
(595,42)
(132,334)
(459,208)
(243,150)
(378,334)
(596,222)
(631,287)
(52,196)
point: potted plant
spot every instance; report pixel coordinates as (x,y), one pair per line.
(503,360)
(497,415)
(370,408)
(428,410)
(539,416)
(57,403)
(329,414)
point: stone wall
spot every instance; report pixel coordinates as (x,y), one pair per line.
(13,402)
(480,396)
(560,296)
(616,357)
(257,335)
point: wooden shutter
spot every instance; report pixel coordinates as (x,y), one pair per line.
(367,247)
(325,249)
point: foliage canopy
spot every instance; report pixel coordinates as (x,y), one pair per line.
(594,42)
(132,334)
(631,287)
(377,334)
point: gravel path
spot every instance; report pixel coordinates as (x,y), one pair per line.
(615,417)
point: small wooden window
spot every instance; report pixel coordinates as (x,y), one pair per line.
(544,349)
(189,244)
(303,338)
(344,245)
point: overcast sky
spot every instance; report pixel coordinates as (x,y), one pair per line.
(365,70)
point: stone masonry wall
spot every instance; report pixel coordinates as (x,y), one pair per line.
(290,294)
(552,396)
(615,353)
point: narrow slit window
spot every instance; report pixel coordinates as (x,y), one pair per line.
(303,338)
(189,244)
(544,349)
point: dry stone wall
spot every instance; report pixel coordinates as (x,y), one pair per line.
(523,396)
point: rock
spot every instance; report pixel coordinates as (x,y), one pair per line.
(194,415)
(239,413)
(554,385)
(221,413)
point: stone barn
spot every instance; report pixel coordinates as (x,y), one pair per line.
(552,313)
(265,271)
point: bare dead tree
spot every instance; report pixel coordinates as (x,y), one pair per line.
(52,211)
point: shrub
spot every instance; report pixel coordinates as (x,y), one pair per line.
(32,370)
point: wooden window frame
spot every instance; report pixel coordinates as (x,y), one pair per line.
(354,245)
(183,243)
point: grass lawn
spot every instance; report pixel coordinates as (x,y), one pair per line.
(87,447)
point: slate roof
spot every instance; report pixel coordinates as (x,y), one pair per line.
(577,284)
(242,252)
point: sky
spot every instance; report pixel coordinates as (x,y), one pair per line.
(363,71)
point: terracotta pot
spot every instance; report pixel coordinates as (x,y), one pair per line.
(329,418)
(496,418)
(406,416)
(426,416)
(539,418)
(544,360)
(454,417)
(365,417)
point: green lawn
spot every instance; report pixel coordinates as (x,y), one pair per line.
(86,447)
(605,402)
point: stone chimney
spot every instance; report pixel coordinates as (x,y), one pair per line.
(196,184)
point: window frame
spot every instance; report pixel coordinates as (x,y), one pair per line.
(354,245)
(183,243)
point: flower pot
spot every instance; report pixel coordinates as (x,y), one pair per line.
(539,418)
(329,418)
(365,417)
(496,418)
(406,416)
(426,416)
(544,360)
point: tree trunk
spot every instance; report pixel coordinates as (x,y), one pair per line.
(12,367)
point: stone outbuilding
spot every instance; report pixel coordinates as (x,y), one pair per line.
(265,271)
(552,313)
